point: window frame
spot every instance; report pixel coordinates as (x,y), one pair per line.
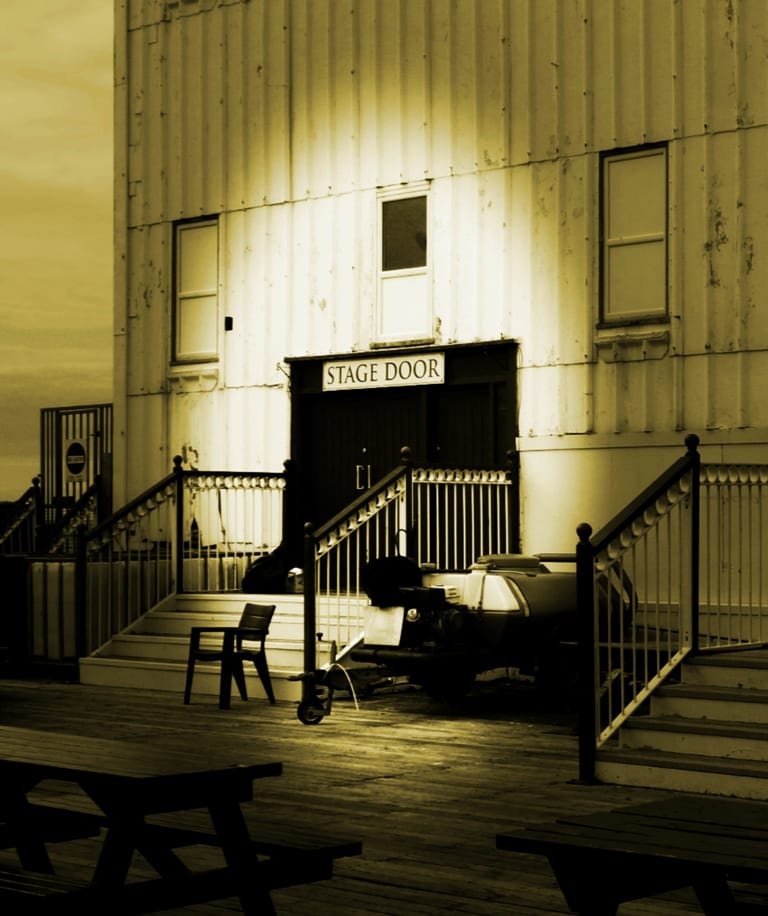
(426,333)
(179,357)
(607,319)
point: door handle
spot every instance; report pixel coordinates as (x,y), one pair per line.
(362,476)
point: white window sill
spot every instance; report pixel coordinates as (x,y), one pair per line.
(183,379)
(632,345)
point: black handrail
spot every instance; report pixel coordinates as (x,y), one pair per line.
(23,521)
(137,501)
(587,548)
(351,509)
(311,538)
(648,496)
(95,494)
(177,474)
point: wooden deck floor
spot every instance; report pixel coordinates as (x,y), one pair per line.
(426,788)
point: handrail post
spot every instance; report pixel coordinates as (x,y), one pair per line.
(39,515)
(407,529)
(177,461)
(310,600)
(290,509)
(585,605)
(513,498)
(82,646)
(692,444)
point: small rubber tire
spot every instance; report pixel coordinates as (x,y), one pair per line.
(309,715)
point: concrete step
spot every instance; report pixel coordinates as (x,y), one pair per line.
(154,651)
(745,668)
(232,602)
(727,704)
(707,734)
(161,647)
(714,624)
(170,676)
(700,737)
(682,772)
(285,625)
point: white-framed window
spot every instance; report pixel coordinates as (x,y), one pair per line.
(634,236)
(196,296)
(404,306)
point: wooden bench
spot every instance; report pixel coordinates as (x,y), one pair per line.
(295,857)
(604,859)
(34,893)
(147,800)
(52,824)
(282,863)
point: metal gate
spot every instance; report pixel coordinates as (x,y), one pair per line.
(75,451)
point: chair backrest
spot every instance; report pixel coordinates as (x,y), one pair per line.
(257,617)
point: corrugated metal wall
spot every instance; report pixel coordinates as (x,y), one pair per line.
(287,116)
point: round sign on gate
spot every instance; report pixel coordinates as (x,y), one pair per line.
(75,459)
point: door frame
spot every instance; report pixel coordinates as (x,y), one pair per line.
(489,363)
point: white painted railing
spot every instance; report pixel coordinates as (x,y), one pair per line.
(733,582)
(688,563)
(637,586)
(194,531)
(460,515)
(444,519)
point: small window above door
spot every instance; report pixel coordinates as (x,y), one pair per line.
(404,300)
(404,233)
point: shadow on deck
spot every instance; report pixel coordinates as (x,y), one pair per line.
(425,786)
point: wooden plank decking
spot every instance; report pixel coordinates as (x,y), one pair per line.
(426,788)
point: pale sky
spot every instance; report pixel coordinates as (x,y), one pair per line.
(56,211)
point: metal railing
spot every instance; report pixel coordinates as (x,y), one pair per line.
(733,587)
(193,531)
(85,514)
(441,518)
(128,564)
(460,515)
(21,523)
(637,597)
(681,570)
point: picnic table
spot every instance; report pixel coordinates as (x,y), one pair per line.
(606,858)
(129,782)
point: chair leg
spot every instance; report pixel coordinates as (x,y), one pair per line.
(260,661)
(239,675)
(190,675)
(225,682)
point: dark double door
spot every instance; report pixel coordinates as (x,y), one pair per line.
(343,442)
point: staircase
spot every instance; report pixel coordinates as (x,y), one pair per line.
(706,734)
(153,653)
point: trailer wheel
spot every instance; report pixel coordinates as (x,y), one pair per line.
(309,715)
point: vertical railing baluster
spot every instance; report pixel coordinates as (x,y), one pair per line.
(692,444)
(585,602)
(178,535)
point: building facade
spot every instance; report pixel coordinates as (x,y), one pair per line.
(485,229)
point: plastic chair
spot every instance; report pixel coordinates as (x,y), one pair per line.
(245,642)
